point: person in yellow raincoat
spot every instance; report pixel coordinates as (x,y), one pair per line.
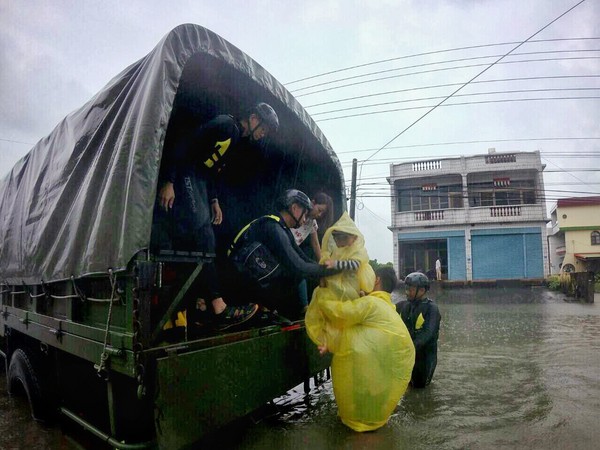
(343,248)
(374,358)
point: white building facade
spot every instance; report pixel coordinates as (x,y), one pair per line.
(484,216)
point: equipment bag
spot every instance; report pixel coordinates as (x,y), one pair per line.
(253,258)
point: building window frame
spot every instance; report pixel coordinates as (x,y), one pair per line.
(595,237)
(417,199)
(487,194)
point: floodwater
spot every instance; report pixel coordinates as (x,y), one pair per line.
(517,368)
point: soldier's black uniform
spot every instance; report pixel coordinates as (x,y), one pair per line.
(192,165)
(424,335)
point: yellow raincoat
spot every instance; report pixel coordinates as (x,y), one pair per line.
(373,362)
(346,285)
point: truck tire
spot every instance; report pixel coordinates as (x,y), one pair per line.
(23,373)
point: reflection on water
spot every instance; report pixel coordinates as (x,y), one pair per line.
(517,368)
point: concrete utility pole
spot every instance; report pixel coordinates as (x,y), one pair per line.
(353,189)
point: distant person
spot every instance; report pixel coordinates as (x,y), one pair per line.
(267,263)
(438,269)
(422,318)
(373,359)
(187,204)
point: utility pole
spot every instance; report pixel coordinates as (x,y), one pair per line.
(353,189)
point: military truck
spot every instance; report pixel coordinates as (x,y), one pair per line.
(84,300)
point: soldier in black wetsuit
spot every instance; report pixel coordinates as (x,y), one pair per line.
(187,204)
(289,263)
(422,318)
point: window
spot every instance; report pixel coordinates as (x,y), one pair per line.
(595,237)
(417,199)
(496,193)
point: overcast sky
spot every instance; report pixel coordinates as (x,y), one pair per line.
(55,55)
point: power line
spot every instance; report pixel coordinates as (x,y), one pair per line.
(433,144)
(434,86)
(436,52)
(472,58)
(513,91)
(545,200)
(467,66)
(394,160)
(16,142)
(379,189)
(377,177)
(473,78)
(451,104)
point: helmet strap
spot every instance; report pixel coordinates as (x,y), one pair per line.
(297,222)
(252,130)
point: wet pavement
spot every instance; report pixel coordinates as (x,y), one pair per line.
(517,368)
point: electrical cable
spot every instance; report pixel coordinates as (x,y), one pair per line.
(436,52)
(473,78)
(472,58)
(434,86)
(439,105)
(474,94)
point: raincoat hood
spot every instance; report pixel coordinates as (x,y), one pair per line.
(355,251)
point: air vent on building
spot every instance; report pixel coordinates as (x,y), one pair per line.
(426,165)
(500,158)
(501,182)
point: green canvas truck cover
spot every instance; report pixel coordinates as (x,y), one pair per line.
(81,201)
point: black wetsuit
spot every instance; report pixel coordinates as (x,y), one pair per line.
(281,293)
(192,164)
(424,337)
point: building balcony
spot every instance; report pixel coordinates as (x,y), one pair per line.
(495,162)
(429,218)
(463,216)
(509,213)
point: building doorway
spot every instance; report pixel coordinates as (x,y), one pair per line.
(421,256)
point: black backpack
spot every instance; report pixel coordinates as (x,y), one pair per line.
(252,258)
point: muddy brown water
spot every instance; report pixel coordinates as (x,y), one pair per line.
(517,368)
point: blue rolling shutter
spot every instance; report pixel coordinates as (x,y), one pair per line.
(497,256)
(457,268)
(534,267)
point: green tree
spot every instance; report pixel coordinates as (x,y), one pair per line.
(376,265)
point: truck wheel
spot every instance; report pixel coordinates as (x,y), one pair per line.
(23,375)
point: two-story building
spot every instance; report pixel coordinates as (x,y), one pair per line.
(484,216)
(575,235)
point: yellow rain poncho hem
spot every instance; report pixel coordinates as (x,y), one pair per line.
(373,362)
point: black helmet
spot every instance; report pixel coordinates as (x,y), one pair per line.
(292,196)
(417,279)
(267,115)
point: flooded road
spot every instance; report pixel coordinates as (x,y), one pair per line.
(517,368)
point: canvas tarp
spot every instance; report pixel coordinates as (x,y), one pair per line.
(81,201)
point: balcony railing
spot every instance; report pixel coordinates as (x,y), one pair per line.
(500,158)
(426,165)
(429,215)
(464,216)
(505,211)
